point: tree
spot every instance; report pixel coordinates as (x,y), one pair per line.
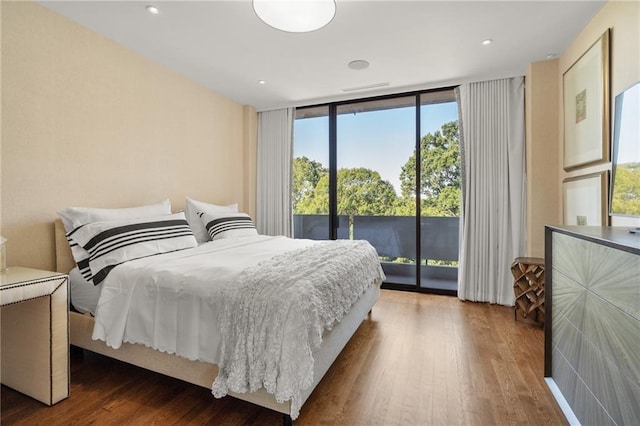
(440,173)
(361,191)
(626,193)
(306,174)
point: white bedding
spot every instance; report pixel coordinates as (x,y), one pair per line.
(166,301)
(173,302)
(84,295)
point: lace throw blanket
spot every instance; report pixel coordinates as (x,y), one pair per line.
(277,313)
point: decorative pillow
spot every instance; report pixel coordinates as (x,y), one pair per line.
(194,207)
(227,225)
(114,242)
(74,217)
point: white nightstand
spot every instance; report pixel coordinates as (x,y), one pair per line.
(35,333)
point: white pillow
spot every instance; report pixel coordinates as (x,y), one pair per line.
(111,243)
(194,207)
(74,217)
(228,225)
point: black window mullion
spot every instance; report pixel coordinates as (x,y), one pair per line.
(418,190)
(333,172)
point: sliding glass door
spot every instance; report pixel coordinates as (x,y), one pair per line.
(385,170)
(440,192)
(375,140)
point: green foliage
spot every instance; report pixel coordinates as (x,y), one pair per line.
(362,191)
(405,206)
(439,172)
(306,175)
(626,195)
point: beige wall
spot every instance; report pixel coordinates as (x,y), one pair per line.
(623,18)
(544,114)
(87,122)
(542,143)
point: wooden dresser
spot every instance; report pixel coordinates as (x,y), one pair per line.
(592,323)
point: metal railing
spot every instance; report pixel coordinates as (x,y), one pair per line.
(394,237)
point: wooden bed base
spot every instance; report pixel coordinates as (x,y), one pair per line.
(202,373)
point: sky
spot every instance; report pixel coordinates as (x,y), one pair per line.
(378,140)
(629,134)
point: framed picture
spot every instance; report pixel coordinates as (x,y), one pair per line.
(585,200)
(585,88)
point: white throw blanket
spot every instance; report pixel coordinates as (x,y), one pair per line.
(276,315)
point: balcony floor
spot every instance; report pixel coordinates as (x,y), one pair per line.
(429,283)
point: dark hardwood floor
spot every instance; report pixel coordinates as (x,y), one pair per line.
(419,360)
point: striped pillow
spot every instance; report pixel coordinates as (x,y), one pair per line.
(227,225)
(73,217)
(81,257)
(195,206)
(111,243)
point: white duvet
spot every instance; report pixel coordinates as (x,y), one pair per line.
(213,302)
(171,301)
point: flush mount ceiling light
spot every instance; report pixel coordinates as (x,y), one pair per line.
(295,16)
(153,10)
(487,42)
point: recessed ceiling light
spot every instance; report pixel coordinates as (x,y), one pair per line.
(551,56)
(153,10)
(487,42)
(358,64)
(262,82)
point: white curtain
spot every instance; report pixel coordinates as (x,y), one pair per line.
(275,152)
(492,145)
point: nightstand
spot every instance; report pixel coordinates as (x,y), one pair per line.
(35,333)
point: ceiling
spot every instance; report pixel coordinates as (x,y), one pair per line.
(410,45)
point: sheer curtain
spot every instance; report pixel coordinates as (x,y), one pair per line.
(492,145)
(275,135)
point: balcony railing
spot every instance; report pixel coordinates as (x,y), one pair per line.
(394,237)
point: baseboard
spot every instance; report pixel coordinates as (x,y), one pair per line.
(562,402)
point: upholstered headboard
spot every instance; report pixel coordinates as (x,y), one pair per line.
(64,259)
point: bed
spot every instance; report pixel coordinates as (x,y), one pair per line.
(205,373)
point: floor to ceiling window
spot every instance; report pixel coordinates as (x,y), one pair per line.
(310,182)
(386,170)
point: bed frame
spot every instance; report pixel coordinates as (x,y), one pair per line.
(202,373)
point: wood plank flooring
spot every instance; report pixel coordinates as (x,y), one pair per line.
(419,360)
